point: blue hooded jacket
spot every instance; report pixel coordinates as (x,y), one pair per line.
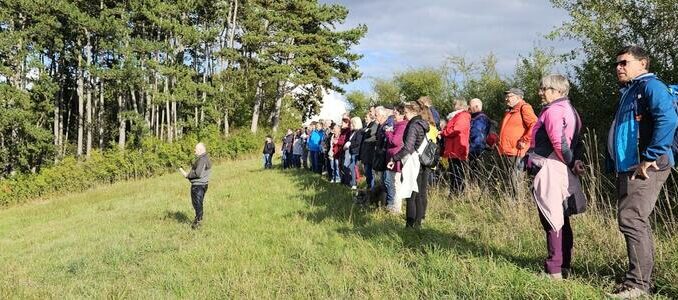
(644,124)
(315,139)
(480,128)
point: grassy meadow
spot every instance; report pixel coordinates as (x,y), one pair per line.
(291,234)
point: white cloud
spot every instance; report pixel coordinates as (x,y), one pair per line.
(404,33)
(334,105)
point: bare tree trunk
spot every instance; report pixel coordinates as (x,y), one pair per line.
(174,120)
(121,122)
(156,115)
(100,114)
(168,112)
(204,82)
(168,116)
(163,117)
(134,99)
(226,128)
(278,104)
(81,101)
(147,111)
(257,105)
(57,107)
(69,113)
(88,124)
(281,92)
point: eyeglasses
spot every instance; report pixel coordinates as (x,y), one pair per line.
(623,63)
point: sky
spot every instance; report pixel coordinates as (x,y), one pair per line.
(404,34)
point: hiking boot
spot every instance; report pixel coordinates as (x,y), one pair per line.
(196,224)
(626,291)
(566,272)
(553,276)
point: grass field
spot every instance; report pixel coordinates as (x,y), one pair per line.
(290,234)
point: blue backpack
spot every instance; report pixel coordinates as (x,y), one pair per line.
(673,90)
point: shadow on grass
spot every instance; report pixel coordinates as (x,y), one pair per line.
(334,202)
(178,216)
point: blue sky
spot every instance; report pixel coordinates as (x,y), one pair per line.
(406,34)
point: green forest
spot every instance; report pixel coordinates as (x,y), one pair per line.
(84,75)
(78,77)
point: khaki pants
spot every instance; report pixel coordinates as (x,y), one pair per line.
(637,199)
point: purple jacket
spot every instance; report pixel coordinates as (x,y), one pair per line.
(394,142)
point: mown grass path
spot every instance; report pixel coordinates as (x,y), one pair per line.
(275,234)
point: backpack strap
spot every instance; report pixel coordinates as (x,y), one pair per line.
(576,137)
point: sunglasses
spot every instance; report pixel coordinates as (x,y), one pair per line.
(622,63)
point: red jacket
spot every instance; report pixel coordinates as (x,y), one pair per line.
(456,135)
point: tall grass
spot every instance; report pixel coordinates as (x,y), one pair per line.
(272,234)
(600,256)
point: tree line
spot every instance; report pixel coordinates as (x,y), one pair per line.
(76,75)
(80,76)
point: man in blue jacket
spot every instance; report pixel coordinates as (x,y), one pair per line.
(480,127)
(314,147)
(639,143)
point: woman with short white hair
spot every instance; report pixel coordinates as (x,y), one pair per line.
(555,160)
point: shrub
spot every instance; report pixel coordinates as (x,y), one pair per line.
(152,157)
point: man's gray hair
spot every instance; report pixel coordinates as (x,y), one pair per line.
(557,82)
(201,147)
(477,103)
(382,111)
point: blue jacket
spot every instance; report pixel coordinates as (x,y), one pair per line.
(436,117)
(644,124)
(480,128)
(315,139)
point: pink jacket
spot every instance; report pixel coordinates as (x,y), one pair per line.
(554,131)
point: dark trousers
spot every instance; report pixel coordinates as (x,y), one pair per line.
(457,184)
(558,245)
(416,204)
(369,175)
(304,159)
(197,197)
(315,162)
(331,168)
(296,161)
(286,159)
(637,199)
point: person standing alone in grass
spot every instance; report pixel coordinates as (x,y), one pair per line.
(269,150)
(199,177)
(639,145)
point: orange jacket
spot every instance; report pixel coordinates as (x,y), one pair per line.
(516,130)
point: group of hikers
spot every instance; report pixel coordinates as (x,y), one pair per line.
(392,144)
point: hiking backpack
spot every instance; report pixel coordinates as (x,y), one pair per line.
(673,91)
(492,137)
